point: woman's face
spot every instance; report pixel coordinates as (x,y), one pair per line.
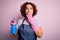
(29,8)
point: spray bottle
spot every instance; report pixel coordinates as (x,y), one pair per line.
(13,26)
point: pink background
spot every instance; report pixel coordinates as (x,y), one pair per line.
(48,14)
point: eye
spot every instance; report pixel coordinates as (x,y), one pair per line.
(26,8)
(31,8)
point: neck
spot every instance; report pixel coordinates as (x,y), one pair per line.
(26,19)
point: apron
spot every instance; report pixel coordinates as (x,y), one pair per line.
(25,32)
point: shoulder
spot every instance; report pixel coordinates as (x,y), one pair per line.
(37,21)
(20,21)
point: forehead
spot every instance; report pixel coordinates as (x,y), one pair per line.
(29,5)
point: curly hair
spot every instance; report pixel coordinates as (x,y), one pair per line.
(23,8)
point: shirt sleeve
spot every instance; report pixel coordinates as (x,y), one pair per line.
(19,23)
(37,22)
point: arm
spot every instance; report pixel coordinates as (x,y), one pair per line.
(38,31)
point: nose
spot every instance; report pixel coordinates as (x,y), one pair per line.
(28,10)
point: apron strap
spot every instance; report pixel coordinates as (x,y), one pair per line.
(23,21)
(28,22)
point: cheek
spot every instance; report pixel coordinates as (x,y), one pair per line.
(26,11)
(32,11)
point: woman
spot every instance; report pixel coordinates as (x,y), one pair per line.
(28,28)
